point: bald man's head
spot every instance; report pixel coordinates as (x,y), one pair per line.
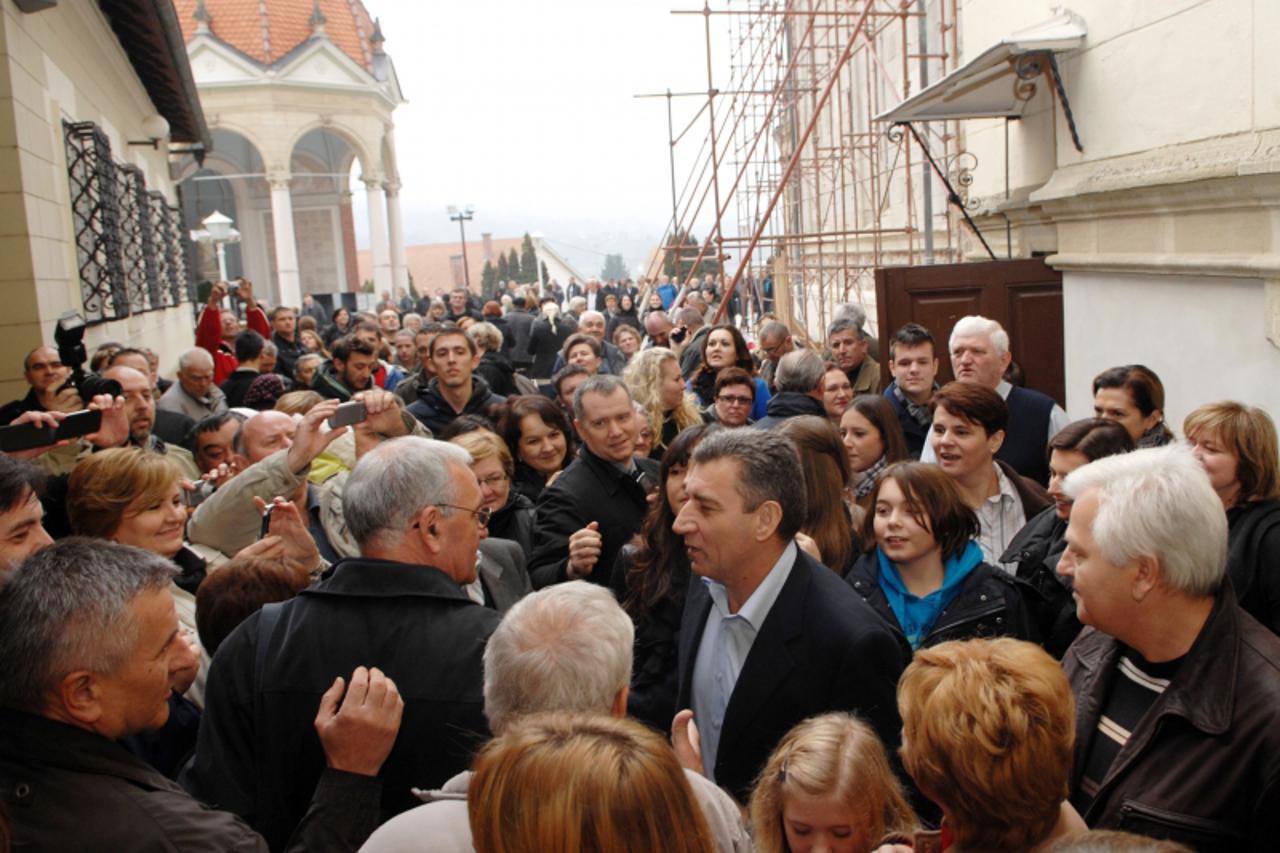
(139,403)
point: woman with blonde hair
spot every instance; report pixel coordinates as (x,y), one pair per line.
(563,783)
(988,729)
(654,379)
(828,783)
(1236,446)
(829,520)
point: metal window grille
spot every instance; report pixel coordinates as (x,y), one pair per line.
(129,251)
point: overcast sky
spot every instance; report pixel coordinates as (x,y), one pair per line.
(526,110)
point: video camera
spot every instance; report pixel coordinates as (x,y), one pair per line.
(68,334)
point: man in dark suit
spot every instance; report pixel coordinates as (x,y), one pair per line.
(770,636)
(596,504)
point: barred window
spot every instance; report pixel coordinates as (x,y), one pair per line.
(128,240)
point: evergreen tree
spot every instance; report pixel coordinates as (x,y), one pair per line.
(504,271)
(528,261)
(513,267)
(615,268)
(678,262)
(546,276)
(489,278)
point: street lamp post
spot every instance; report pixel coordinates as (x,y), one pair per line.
(218,231)
(462,217)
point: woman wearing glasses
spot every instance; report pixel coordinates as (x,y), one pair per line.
(735,397)
(509,513)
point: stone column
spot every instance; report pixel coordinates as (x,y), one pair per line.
(395,225)
(288,282)
(379,249)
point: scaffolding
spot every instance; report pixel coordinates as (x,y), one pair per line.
(807,190)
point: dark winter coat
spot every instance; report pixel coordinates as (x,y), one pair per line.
(435,412)
(258,754)
(990,604)
(1036,549)
(789,404)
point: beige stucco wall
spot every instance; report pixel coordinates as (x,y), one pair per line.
(63,63)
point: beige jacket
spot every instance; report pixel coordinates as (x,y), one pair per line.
(229,521)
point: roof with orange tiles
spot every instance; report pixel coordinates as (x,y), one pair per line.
(267,30)
(433,265)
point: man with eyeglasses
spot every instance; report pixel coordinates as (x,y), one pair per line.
(735,394)
(775,342)
(415,509)
(46,375)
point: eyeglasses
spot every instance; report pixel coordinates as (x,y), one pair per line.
(731,400)
(482,514)
(493,481)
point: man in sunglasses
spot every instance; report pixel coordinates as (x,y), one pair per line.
(406,605)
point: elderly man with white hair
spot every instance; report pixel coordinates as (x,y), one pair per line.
(567,648)
(980,354)
(593,323)
(1177,689)
(415,509)
(194,394)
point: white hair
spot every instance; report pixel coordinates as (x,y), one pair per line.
(195,357)
(564,648)
(594,315)
(395,481)
(800,370)
(974,324)
(1158,503)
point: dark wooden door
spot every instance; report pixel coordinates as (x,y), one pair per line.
(1024,296)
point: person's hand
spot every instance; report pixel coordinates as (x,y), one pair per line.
(313,436)
(115,423)
(67,400)
(223,472)
(384,420)
(42,420)
(183,676)
(217,293)
(246,293)
(357,737)
(585,546)
(267,548)
(300,551)
(685,741)
(806,543)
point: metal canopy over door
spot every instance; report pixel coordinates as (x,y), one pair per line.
(1024,296)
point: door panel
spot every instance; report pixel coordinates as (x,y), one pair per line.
(1024,296)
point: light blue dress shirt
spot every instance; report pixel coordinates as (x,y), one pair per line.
(726,641)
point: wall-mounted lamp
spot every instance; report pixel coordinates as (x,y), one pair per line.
(156,128)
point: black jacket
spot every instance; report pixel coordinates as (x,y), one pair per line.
(528,482)
(590,489)
(821,648)
(654,671)
(1036,549)
(287,354)
(990,604)
(435,412)
(1203,765)
(257,753)
(515,344)
(1253,559)
(545,343)
(789,404)
(237,385)
(66,788)
(496,370)
(514,521)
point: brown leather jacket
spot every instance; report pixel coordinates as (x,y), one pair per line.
(1203,766)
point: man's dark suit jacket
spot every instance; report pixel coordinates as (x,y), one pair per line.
(820,649)
(590,489)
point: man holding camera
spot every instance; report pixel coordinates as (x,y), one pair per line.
(45,373)
(214,325)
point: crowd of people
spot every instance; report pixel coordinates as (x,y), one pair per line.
(589,569)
